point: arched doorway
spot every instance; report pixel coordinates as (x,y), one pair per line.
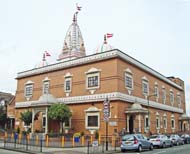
(131,124)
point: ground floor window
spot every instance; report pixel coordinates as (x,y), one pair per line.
(92,119)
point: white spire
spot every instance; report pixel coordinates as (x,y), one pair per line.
(73,43)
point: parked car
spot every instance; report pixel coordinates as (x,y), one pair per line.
(176,139)
(135,142)
(161,141)
(186,138)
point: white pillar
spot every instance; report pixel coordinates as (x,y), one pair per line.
(139,122)
(32,121)
(127,123)
(46,129)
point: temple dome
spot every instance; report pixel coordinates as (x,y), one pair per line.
(103,48)
(73,44)
(47,98)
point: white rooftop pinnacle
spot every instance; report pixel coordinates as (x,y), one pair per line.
(73,43)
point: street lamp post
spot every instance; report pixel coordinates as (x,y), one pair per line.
(148,98)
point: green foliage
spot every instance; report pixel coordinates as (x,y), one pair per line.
(78,134)
(18,130)
(96,134)
(60,112)
(82,133)
(26,117)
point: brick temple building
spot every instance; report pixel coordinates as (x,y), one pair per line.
(141,99)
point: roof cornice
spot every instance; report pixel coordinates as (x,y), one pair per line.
(94,58)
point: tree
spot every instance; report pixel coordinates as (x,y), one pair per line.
(60,112)
(26,117)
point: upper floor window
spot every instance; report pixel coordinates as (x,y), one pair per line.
(93,78)
(68,82)
(28,89)
(156,91)
(171,97)
(179,100)
(163,95)
(128,81)
(157,121)
(145,87)
(46,87)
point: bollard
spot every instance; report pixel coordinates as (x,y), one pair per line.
(73,141)
(36,139)
(47,141)
(82,140)
(62,141)
(90,139)
(99,139)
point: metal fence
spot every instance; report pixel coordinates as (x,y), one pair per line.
(23,144)
(38,143)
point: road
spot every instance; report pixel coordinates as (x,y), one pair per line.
(185,149)
(2,151)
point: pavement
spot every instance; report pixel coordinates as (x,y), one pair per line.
(78,150)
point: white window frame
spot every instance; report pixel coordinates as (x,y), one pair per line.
(93,75)
(172,119)
(129,75)
(145,82)
(65,85)
(156,91)
(165,119)
(163,95)
(145,120)
(92,114)
(46,89)
(67,127)
(158,120)
(30,86)
(171,97)
(179,100)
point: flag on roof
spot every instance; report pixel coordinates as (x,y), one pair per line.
(47,54)
(78,7)
(108,35)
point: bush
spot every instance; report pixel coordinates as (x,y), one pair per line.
(78,134)
(82,133)
(18,130)
(96,134)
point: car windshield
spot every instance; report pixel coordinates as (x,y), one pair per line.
(154,136)
(128,138)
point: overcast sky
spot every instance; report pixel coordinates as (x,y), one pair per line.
(155,32)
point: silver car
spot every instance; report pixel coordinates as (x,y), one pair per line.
(161,141)
(135,142)
(176,139)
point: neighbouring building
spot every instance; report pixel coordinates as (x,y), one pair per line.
(84,83)
(7,105)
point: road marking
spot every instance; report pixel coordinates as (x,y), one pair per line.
(160,152)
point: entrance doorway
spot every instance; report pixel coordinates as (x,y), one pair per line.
(131,124)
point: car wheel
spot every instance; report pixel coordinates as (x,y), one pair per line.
(140,148)
(122,150)
(177,143)
(151,147)
(164,145)
(187,141)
